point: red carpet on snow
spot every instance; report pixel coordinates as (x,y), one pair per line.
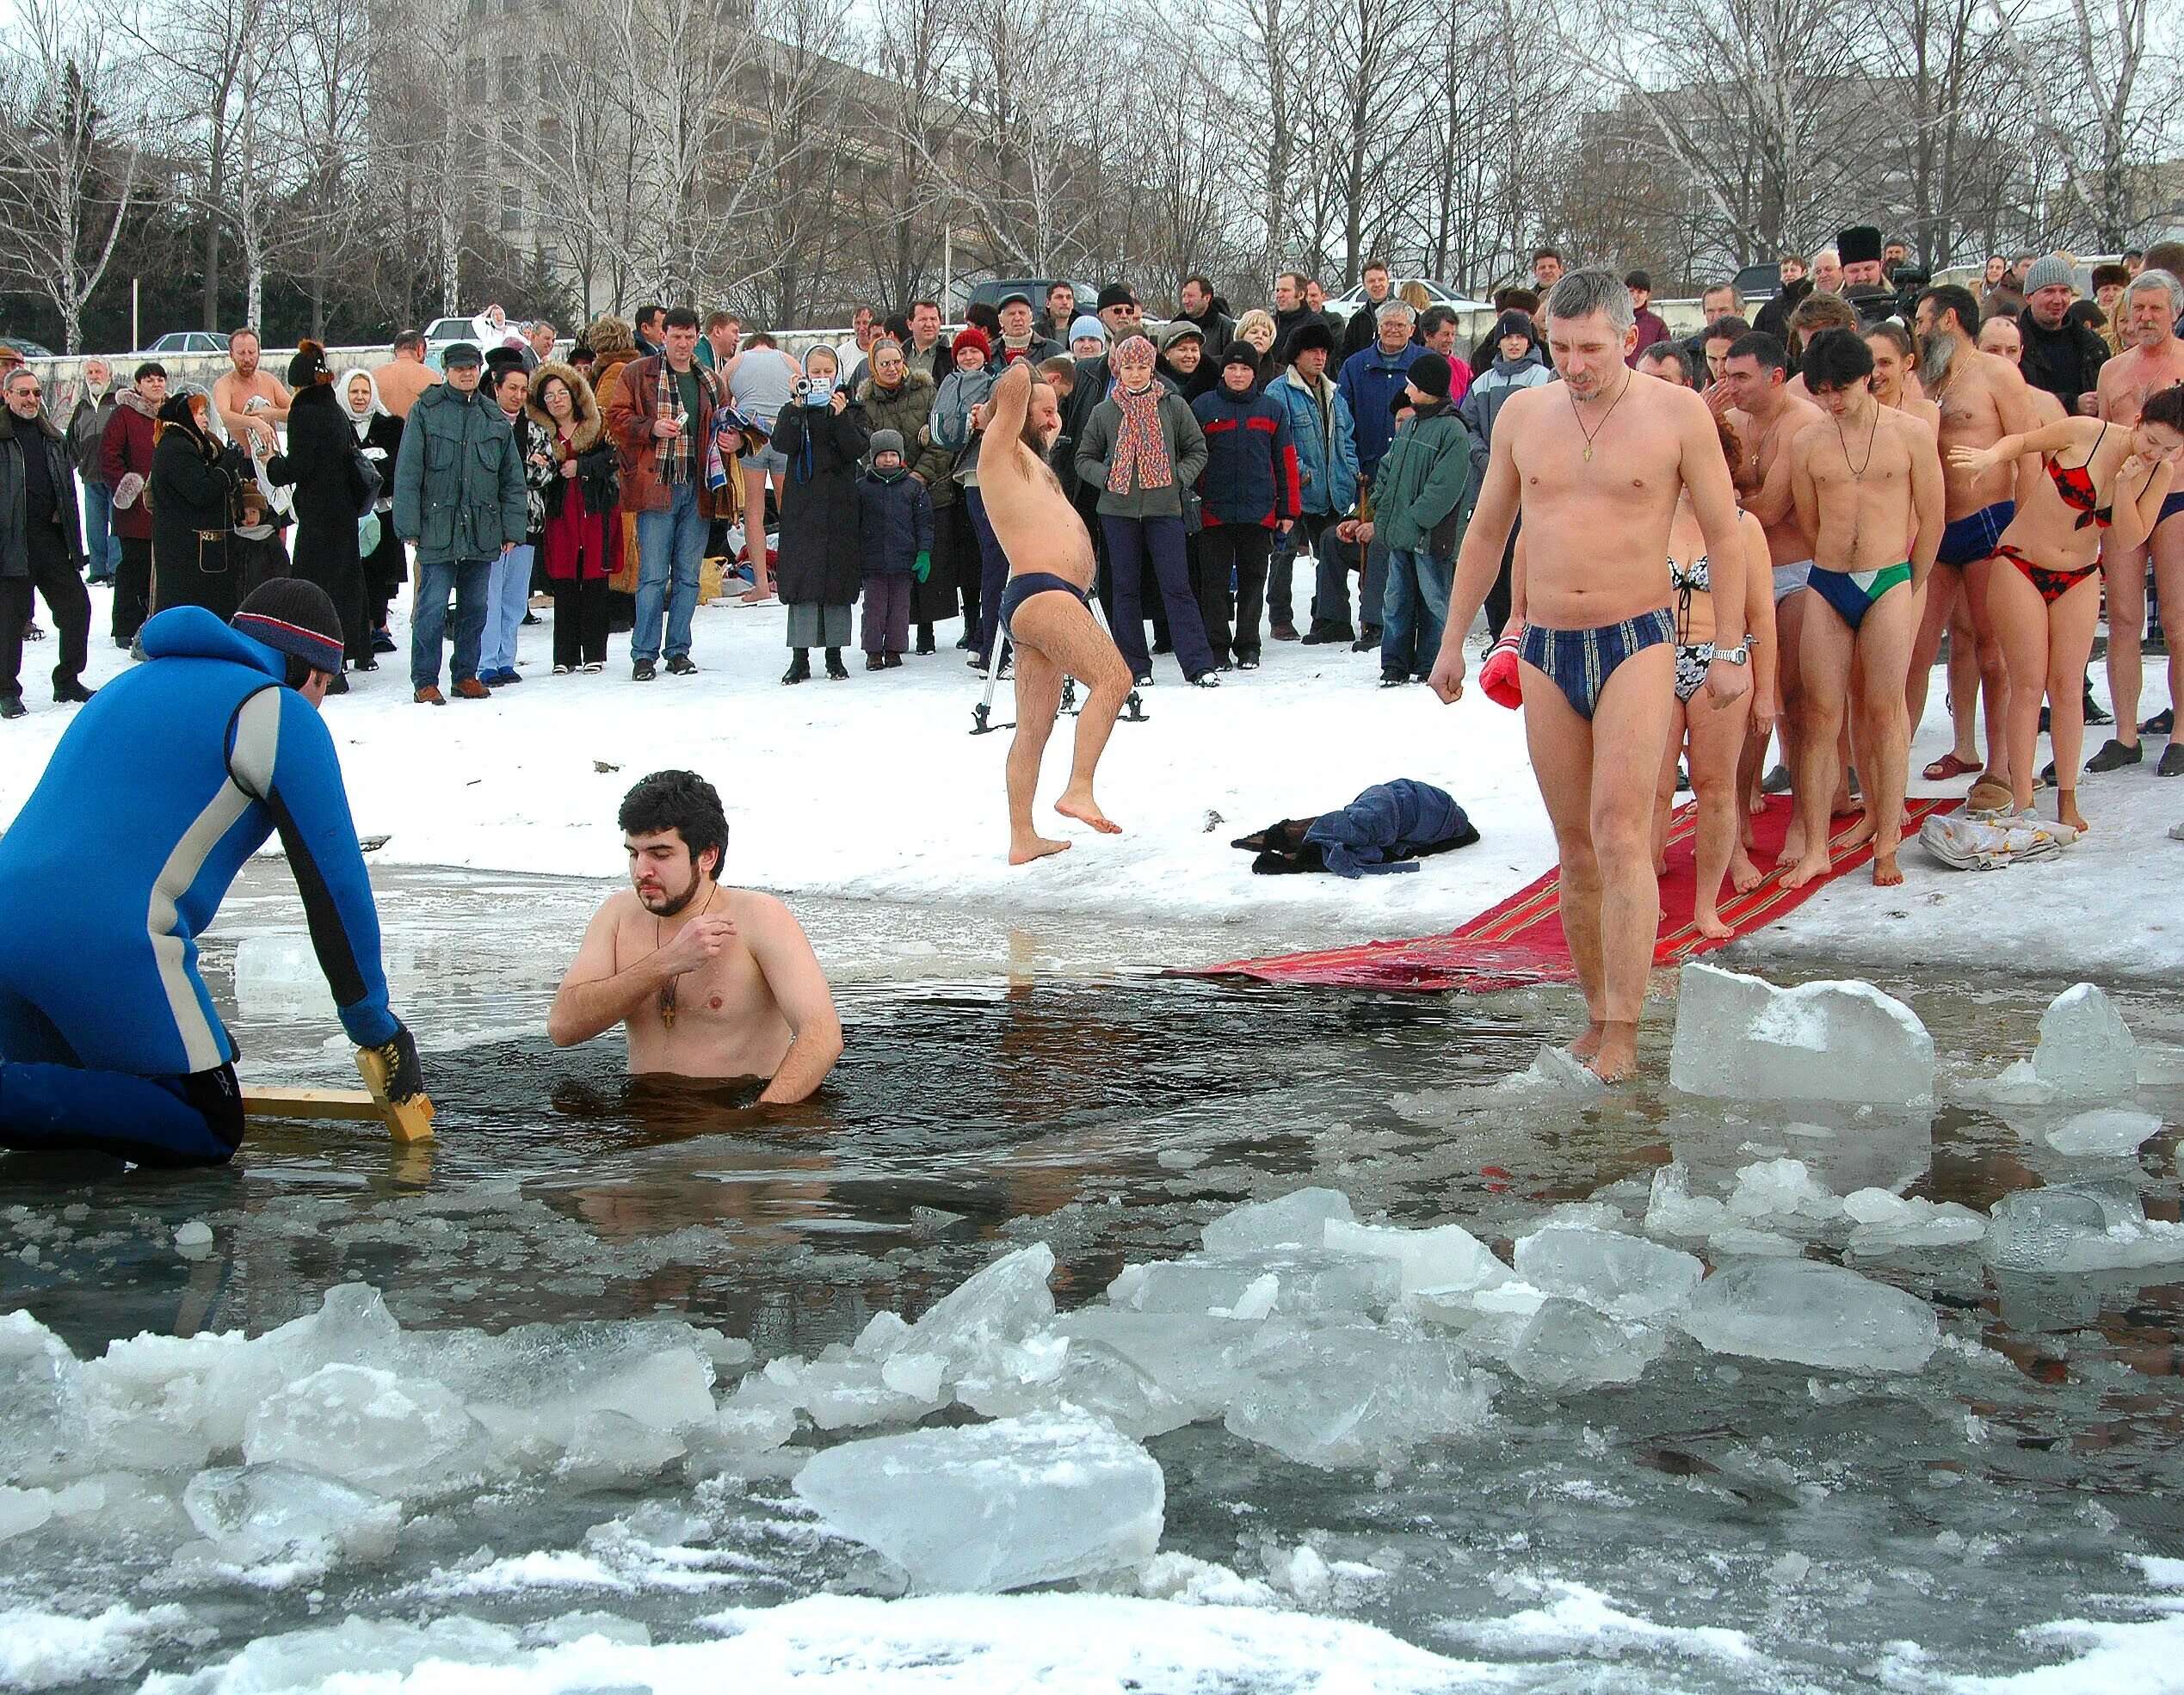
(1521,940)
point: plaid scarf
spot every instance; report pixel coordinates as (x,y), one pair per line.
(678,459)
(1140,458)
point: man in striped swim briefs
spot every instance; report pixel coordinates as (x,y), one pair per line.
(1596,462)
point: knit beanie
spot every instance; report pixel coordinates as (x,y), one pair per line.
(1513,323)
(1429,374)
(886,442)
(1085,325)
(1138,348)
(1241,352)
(2046,272)
(296,616)
(971,336)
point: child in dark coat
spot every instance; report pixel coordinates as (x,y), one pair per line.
(895,515)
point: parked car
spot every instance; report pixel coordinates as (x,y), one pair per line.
(991,293)
(189,341)
(1439,294)
(1757,283)
(27,347)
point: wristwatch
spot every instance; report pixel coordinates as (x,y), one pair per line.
(1739,654)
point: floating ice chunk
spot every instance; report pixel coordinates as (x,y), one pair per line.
(1753,1244)
(156,1403)
(2085,1052)
(1781,1188)
(195,1234)
(1740,1036)
(1307,1280)
(987,1508)
(41,1401)
(612,1451)
(1624,1275)
(1447,1256)
(2016,1085)
(1810,1313)
(2113,1131)
(255,1513)
(1169,1577)
(368,1426)
(1882,1221)
(1568,1345)
(2079,1228)
(846,1394)
(1296,1220)
(1357,1396)
(969,1327)
(1195,1360)
(279,979)
(1672,1210)
(884,1333)
(1095,1379)
(23,1510)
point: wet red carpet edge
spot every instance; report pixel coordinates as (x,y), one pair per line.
(1520,941)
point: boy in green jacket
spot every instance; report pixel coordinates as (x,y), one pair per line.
(1418,515)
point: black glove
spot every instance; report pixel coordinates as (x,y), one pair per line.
(404,1077)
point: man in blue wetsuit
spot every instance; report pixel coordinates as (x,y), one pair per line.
(164,785)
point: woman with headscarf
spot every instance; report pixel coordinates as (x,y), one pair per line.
(320,464)
(378,438)
(191,488)
(1142,448)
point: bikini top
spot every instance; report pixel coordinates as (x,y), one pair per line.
(2074,488)
(1689,580)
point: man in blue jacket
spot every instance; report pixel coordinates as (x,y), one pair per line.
(159,791)
(1370,383)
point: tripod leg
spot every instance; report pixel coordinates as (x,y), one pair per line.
(982,714)
(1133,708)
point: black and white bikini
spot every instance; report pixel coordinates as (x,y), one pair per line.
(1692,657)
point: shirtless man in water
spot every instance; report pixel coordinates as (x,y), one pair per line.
(711,982)
(1868,488)
(1044,609)
(1595,463)
(1982,398)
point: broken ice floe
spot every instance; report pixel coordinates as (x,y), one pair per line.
(2079,1227)
(990,1507)
(2085,1052)
(1807,1314)
(1740,1036)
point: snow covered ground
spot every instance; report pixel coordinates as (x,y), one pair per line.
(873,789)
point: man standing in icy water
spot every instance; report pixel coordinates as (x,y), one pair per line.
(1595,463)
(709,981)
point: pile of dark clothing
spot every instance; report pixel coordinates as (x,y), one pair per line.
(1388,828)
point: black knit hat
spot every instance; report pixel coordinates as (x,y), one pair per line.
(1514,322)
(296,617)
(1117,294)
(1241,352)
(1429,374)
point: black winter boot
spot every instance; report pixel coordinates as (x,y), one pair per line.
(799,668)
(836,670)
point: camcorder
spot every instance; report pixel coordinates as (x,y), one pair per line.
(813,391)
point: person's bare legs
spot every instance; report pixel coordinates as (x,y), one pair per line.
(1994,678)
(761,585)
(2124,572)
(1717,735)
(1630,727)
(1884,647)
(1963,687)
(1059,631)
(1560,743)
(2071,624)
(1664,791)
(1826,648)
(2168,579)
(1944,599)
(1039,697)
(1790,615)
(2020,626)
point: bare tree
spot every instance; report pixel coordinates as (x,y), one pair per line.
(68,171)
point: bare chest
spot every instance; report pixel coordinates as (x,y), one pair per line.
(2134,380)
